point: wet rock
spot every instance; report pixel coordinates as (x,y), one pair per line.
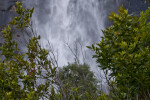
(12,8)
(136,6)
(7,11)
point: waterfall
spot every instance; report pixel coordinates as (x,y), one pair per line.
(71,22)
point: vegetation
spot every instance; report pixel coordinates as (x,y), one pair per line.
(19,72)
(123,54)
(78,77)
(125,51)
(30,75)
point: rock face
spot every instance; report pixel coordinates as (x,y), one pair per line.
(7,8)
(136,6)
(6,4)
(7,12)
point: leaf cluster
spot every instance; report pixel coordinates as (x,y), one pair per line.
(125,51)
(19,72)
(79,77)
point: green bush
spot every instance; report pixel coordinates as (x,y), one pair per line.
(78,79)
(125,51)
(19,72)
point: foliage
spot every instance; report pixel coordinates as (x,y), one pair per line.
(19,72)
(78,80)
(125,51)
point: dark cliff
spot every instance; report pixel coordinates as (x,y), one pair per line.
(7,11)
(136,6)
(7,7)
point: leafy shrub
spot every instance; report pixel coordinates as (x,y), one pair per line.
(125,51)
(19,72)
(78,80)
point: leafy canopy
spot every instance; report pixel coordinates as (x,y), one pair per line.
(79,77)
(19,72)
(125,51)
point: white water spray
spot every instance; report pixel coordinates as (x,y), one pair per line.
(64,22)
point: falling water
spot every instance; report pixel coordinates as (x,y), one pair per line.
(67,22)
